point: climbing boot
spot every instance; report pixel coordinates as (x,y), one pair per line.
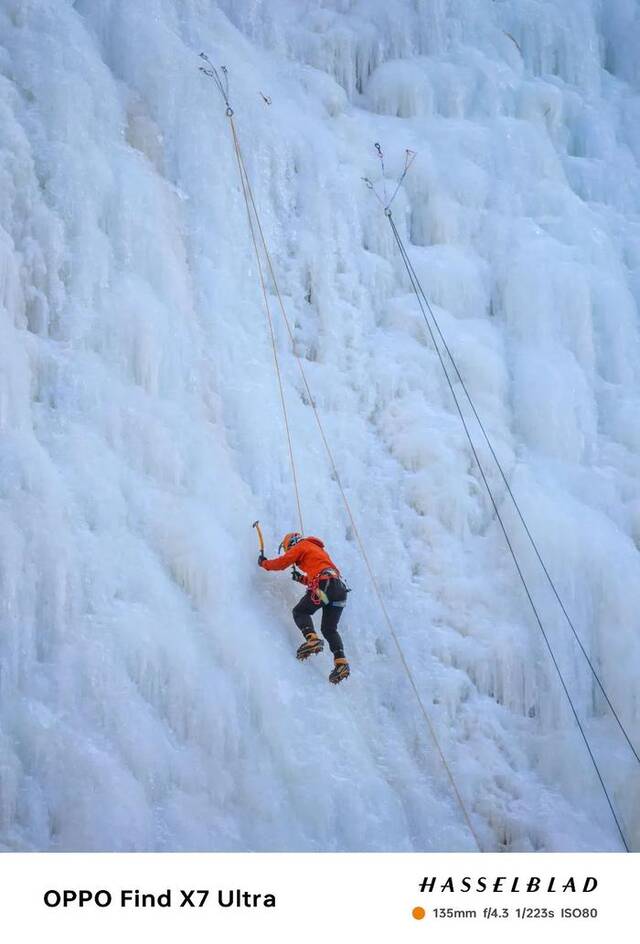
(310,647)
(340,671)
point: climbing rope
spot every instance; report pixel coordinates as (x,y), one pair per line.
(254,215)
(425,307)
(505,480)
(409,158)
(222,83)
(272,334)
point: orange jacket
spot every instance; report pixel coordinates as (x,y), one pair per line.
(309,555)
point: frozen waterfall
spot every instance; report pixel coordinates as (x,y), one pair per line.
(149,698)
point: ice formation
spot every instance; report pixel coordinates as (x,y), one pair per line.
(148,695)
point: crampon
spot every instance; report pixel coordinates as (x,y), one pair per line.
(340,671)
(310,647)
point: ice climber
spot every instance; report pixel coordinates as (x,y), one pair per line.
(325,588)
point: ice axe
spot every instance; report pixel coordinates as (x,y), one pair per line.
(256,525)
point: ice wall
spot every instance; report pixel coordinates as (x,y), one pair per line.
(149,698)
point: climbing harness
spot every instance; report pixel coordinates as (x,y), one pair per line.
(318,594)
(435,334)
(256,230)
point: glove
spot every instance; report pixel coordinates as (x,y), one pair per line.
(297,576)
(261,559)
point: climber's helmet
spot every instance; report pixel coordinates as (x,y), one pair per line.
(289,541)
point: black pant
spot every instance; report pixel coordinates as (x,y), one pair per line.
(304,610)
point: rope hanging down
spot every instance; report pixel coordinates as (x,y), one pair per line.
(523,520)
(249,198)
(222,83)
(425,307)
(410,156)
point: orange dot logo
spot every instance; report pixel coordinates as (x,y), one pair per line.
(418,913)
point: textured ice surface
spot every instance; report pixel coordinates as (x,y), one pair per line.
(148,694)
